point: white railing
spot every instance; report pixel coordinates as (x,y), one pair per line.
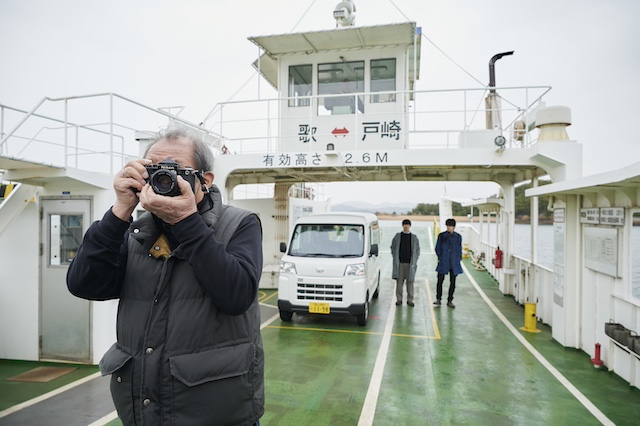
(520,278)
(96,132)
(436,117)
(93,132)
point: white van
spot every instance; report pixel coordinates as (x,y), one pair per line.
(331,266)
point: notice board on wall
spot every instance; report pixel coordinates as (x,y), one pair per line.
(601,250)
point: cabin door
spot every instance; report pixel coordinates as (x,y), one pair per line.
(64,318)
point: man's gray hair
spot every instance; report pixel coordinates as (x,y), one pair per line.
(202,154)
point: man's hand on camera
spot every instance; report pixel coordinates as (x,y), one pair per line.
(170,209)
(127,184)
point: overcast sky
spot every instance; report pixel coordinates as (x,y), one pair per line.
(195,53)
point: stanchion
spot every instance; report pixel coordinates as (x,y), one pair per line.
(530,323)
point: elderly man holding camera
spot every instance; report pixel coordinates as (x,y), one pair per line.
(186,274)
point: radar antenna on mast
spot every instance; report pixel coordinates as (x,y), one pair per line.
(344,13)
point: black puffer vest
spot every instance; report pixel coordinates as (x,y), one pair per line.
(178,359)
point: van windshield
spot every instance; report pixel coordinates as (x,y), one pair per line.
(327,240)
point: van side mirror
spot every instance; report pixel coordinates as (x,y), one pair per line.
(374,250)
(283,247)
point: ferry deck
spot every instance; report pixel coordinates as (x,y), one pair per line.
(468,365)
(471,365)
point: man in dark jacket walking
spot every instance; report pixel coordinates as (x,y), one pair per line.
(405,251)
(449,252)
(186,274)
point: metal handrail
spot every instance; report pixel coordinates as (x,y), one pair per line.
(68,98)
(223,114)
(68,123)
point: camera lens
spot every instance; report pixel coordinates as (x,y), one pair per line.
(164,182)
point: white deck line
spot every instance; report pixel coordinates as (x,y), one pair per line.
(100,422)
(565,382)
(48,395)
(106,419)
(114,415)
(371,400)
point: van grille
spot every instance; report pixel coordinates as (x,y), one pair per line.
(323,292)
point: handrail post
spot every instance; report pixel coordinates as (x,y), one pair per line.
(77,146)
(110,132)
(268,124)
(526,114)
(66,127)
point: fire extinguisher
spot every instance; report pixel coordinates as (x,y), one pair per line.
(498,261)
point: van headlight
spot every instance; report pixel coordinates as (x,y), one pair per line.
(287,268)
(355,269)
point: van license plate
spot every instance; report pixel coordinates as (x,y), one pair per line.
(319,308)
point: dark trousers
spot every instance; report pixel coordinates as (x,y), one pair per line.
(452,286)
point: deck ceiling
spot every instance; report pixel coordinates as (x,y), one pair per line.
(40,174)
(514,174)
(625,180)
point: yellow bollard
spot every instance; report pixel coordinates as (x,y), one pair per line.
(530,325)
(465,251)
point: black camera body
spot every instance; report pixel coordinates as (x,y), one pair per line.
(163,177)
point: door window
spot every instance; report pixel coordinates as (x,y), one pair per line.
(64,238)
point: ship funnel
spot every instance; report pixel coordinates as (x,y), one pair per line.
(492,70)
(344,14)
(553,122)
(492,101)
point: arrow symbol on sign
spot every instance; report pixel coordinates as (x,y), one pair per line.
(344,132)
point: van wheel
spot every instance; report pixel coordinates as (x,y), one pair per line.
(377,292)
(362,319)
(286,315)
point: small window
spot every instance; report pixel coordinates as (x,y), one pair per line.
(300,85)
(65,236)
(383,79)
(341,78)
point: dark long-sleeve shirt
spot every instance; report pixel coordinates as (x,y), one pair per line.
(230,277)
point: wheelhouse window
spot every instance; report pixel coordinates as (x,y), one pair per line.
(341,78)
(383,79)
(300,81)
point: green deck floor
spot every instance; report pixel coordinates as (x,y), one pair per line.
(444,366)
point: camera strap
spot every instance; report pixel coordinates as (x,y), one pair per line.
(202,182)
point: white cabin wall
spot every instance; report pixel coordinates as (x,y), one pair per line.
(103,327)
(265,208)
(299,207)
(292,118)
(606,298)
(19,289)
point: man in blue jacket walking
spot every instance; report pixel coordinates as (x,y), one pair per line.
(449,252)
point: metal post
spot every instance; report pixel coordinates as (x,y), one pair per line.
(111,132)
(66,124)
(76,146)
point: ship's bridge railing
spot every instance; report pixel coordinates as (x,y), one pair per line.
(92,132)
(436,118)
